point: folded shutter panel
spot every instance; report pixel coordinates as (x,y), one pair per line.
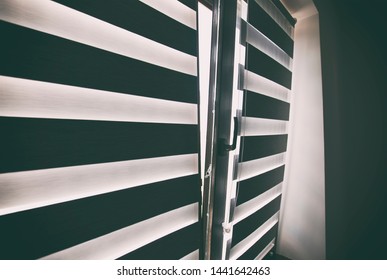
(266,83)
(98,106)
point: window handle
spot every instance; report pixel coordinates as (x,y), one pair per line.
(223,146)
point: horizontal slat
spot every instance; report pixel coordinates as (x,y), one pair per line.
(257,248)
(266,250)
(248,208)
(192,256)
(61,21)
(31,189)
(175,10)
(144,20)
(34,99)
(193,4)
(39,56)
(56,227)
(255,147)
(120,242)
(46,143)
(263,65)
(258,84)
(262,106)
(265,24)
(282,8)
(252,168)
(275,13)
(249,241)
(246,226)
(258,126)
(253,187)
(258,40)
(171,247)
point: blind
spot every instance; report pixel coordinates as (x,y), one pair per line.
(265,79)
(98,106)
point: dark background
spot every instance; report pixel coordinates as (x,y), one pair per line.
(354,67)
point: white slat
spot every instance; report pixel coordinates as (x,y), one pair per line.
(174,9)
(257,39)
(253,205)
(240,248)
(34,99)
(259,126)
(118,243)
(266,250)
(261,85)
(252,168)
(277,16)
(59,20)
(191,256)
(31,189)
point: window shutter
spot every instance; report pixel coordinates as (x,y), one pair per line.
(98,106)
(266,82)
(253,87)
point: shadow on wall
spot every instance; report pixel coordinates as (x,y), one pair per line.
(354,82)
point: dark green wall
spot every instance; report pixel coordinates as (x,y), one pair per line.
(354,65)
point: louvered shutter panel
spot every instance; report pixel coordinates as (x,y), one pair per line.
(99,135)
(266,82)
